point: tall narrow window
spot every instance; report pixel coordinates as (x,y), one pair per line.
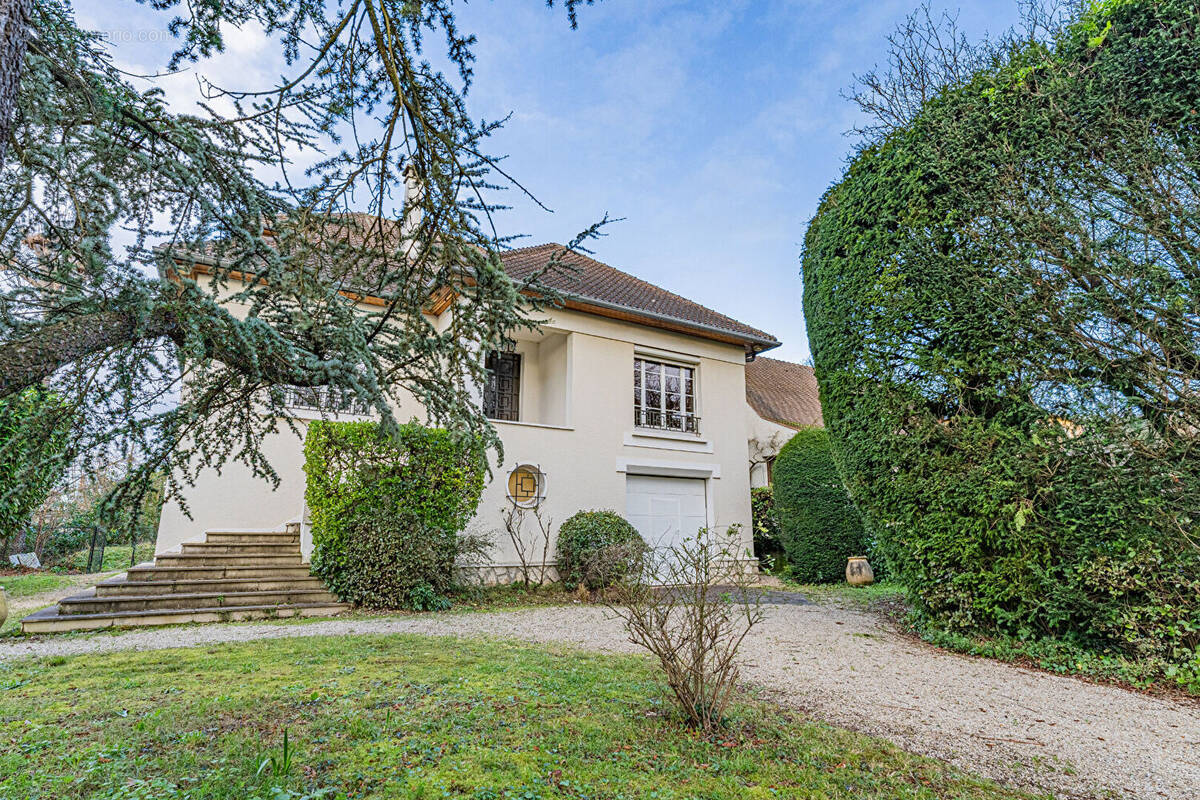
(502,394)
(664,396)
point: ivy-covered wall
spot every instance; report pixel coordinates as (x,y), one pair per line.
(386,512)
(1003,304)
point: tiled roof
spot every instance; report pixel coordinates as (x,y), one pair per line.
(783,392)
(579,277)
(589,279)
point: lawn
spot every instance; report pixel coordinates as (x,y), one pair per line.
(116,557)
(31,583)
(413,717)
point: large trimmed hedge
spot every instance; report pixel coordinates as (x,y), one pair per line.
(386,512)
(818,524)
(1003,304)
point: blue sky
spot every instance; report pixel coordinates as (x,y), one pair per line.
(712,128)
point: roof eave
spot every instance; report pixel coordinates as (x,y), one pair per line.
(754,345)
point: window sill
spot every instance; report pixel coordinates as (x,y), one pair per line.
(659,433)
(308,415)
(532,425)
(667,440)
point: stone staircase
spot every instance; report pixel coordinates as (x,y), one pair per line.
(232,575)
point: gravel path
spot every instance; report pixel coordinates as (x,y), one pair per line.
(1027,728)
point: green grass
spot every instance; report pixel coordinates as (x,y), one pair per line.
(116,557)
(33,583)
(1053,655)
(883,592)
(414,717)
(1066,658)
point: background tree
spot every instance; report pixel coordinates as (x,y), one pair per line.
(1003,299)
(34,430)
(108,196)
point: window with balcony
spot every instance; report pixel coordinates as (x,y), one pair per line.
(324,400)
(664,396)
(502,393)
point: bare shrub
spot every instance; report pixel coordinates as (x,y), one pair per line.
(532,547)
(474,553)
(691,605)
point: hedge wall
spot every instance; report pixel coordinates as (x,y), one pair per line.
(386,512)
(1003,304)
(819,526)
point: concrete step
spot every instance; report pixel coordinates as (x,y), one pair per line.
(51,621)
(225,560)
(92,604)
(251,537)
(242,548)
(150,572)
(117,587)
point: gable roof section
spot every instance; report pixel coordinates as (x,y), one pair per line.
(783,392)
(595,284)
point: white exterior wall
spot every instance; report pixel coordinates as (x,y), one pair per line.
(577,392)
(767,438)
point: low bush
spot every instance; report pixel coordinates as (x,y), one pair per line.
(692,628)
(819,526)
(387,511)
(596,549)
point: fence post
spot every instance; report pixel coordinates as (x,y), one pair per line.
(96,562)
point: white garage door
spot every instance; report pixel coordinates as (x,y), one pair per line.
(665,509)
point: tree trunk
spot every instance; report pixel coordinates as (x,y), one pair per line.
(24,362)
(14,31)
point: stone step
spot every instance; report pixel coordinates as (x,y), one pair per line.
(91,604)
(195,572)
(51,621)
(242,548)
(251,537)
(122,588)
(225,560)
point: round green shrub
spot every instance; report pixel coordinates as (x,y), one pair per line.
(1003,320)
(596,549)
(386,512)
(819,526)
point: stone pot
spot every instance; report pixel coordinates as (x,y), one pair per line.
(3,607)
(858,572)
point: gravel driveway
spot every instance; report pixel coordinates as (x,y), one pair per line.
(850,669)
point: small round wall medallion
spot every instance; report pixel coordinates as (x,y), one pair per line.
(526,485)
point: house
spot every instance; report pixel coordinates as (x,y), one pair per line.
(629,398)
(781,398)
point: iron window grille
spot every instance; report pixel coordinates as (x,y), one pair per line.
(664,396)
(526,485)
(502,392)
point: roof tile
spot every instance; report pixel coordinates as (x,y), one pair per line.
(783,392)
(588,278)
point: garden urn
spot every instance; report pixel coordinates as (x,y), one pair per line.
(858,572)
(3,607)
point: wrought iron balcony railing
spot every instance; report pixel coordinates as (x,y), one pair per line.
(658,420)
(326,399)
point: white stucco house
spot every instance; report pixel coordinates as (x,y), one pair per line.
(629,398)
(781,398)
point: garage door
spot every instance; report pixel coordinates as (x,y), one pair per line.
(665,509)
